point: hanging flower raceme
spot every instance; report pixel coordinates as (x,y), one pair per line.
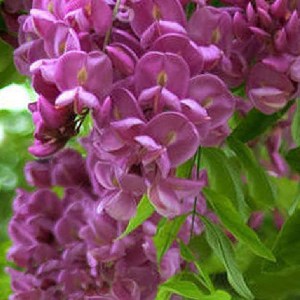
(161,79)
(140,55)
(66,248)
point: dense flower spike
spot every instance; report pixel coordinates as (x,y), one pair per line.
(68,248)
(103,51)
(161,79)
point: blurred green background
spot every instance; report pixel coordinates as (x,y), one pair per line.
(15,136)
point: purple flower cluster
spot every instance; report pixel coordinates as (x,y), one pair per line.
(158,85)
(67,250)
(265,50)
(144,74)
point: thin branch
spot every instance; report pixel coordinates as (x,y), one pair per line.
(194,212)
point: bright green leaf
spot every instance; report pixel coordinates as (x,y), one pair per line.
(188,256)
(296,125)
(234,223)
(286,192)
(183,288)
(256,123)
(4,277)
(287,245)
(223,250)
(185,170)
(166,234)
(217,295)
(259,184)
(59,191)
(162,295)
(224,177)
(295,205)
(189,290)
(144,211)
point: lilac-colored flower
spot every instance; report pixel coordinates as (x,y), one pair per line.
(168,195)
(122,57)
(268,89)
(158,29)
(60,39)
(161,69)
(68,249)
(49,140)
(37,173)
(213,95)
(174,132)
(27,54)
(208,25)
(89,15)
(177,43)
(148,11)
(92,71)
(121,191)
(53,116)
(68,170)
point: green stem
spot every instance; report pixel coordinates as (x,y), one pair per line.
(194,212)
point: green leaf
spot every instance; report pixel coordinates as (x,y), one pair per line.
(223,250)
(166,234)
(188,256)
(8,72)
(259,184)
(276,285)
(59,191)
(295,204)
(234,223)
(217,295)
(293,159)
(224,177)
(287,245)
(10,75)
(190,290)
(287,190)
(183,288)
(6,55)
(144,211)
(256,123)
(185,170)
(4,277)
(296,125)
(163,295)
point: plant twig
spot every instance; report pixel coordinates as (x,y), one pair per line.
(197,158)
